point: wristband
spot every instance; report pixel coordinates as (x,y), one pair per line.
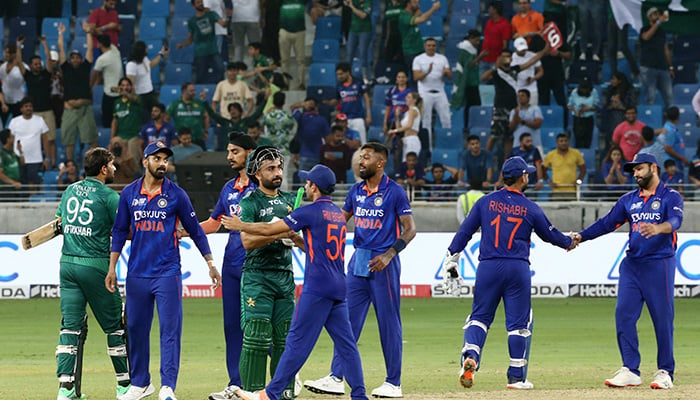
(399,245)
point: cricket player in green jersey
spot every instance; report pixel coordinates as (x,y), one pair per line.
(87,211)
(267,282)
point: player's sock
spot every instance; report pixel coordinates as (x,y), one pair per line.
(116,348)
(257,339)
(474,338)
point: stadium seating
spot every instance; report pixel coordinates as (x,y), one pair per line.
(356,69)
(650,115)
(168,93)
(537,5)
(487,94)
(460,24)
(52,46)
(325,51)
(184,56)
(622,66)
(328,28)
(683,93)
(49,27)
(378,114)
(446,156)
(379,94)
(549,137)
(432,28)
(589,160)
(688,118)
(178,29)
(322,74)
(2,30)
(176,74)
(126,7)
(97,94)
(685,49)
(552,115)
(103,137)
(376,133)
(155,8)
(67,9)
(49,180)
(691,136)
(471,7)
(321,92)
(483,132)
(426,4)
(584,69)
(183,8)
(83,7)
(128,31)
(152,28)
(28,8)
(451,51)
(480,116)
(22,26)
(78,31)
(685,73)
(387,71)
(448,138)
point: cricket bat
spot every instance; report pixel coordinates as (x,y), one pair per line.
(300,197)
(42,234)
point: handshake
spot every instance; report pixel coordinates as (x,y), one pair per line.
(575,240)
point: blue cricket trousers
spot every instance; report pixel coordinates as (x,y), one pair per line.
(233,334)
(383,290)
(650,282)
(141,295)
(312,314)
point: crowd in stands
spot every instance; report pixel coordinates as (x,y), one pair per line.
(451,87)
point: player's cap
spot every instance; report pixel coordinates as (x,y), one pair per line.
(53,54)
(156,147)
(321,176)
(242,140)
(341,117)
(520,44)
(516,167)
(74,51)
(651,11)
(640,158)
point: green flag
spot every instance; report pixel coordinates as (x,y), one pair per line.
(684,15)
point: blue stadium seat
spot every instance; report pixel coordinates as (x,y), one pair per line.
(552,115)
(183,8)
(28,8)
(376,133)
(97,112)
(52,46)
(426,4)
(685,73)
(622,66)
(176,74)
(183,56)
(178,29)
(651,115)
(126,7)
(589,160)
(321,92)
(155,8)
(483,132)
(24,26)
(67,9)
(103,137)
(97,94)
(43,198)
(683,93)
(460,24)
(446,156)
(691,136)
(49,27)
(207,88)
(549,137)
(151,28)
(211,140)
(472,7)
(325,51)
(456,120)
(78,31)
(328,28)
(480,116)
(448,138)
(487,94)
(387,70)
(128,32)
(322,74)
(688,117)
(379,94)
(584,69)
(378,114)
(83,7)
(168,93)
(537,5)
(356,69)
(153,47)
(125,43)
(451,51)
(685,49)
(432,28)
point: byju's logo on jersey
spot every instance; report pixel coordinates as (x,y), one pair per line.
(138,202)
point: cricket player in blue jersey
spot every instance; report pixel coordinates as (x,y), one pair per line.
(383,227)
(322,302)
(507,219)
(647,273)
(149,210)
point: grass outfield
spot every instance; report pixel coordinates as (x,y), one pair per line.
(573,351)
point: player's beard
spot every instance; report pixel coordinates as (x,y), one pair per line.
(272,184)
(110,177)
(644,181)
(158,173)
(367,173)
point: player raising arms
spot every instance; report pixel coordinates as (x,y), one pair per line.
(647,273)
(506,218)
(383,227)
(149,209)
(322,301)
(87,211)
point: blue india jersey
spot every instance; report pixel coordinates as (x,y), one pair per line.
(351,99)
(396,99)
(230,196)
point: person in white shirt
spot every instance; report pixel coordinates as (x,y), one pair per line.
(228,91)
(245,22)
(527,78)
(108,71)
(218,7)
(138,70)
(409,125)
(525,118)
(12,82)
(30,131)
(429,68)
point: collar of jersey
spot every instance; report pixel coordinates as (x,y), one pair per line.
(239,187)
(382,183)
(659,189)
(150,196)
(512,190)
(346,84)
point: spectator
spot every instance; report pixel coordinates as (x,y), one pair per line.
(591,15)
(555,11)
(12,82)
(652,144)
(219,7)
(497,33)
(351,136)
(394,102)
(350,94)
(278,126)
(696,104)
(563,161)
(68,174)
(360,33)
(391,37)
(105,21)
(77,97)
(228,91)
(429,70)
(527,77)
(672,178)
(656,68)
(526,23)
(56,87)
(254,131)
(127,163)
(187,111)
(411,39)
(583,103)
(407,129)
(616,180)
(245,24)
(628,134)
(411,173)
(324,8)
(525,118)
(138,70)
(616,99)
(108,72)
(467,74)
(236,122)
(184,149)
(552,81)
(157,129)
(38,81)
(29,130)
(336,154)
(475,163)
(292,34)
(126,116)
(206,52)
(263,67)
(10,164)
(531,154)
(466,201)
(312,128)
(440,188)
(673,145)
(694,173)
(618,46)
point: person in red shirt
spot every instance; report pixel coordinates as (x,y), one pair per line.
(628,134)
(497,33)
(105,20)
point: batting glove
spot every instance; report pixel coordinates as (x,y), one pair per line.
(451,281)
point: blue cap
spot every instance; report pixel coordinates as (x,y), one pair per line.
(640,158)
(515,167)
(321,176)
(153,148)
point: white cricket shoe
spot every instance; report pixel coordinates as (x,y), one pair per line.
(139,392)
(521,385)
(246,395)
(326,385)
(662,380)
(624,377)
(387,390)
(228,393)
(298,385)
(166,393)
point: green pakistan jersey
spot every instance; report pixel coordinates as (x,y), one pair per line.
(87,212)
(258,207)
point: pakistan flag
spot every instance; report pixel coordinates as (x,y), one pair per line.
(684,14)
